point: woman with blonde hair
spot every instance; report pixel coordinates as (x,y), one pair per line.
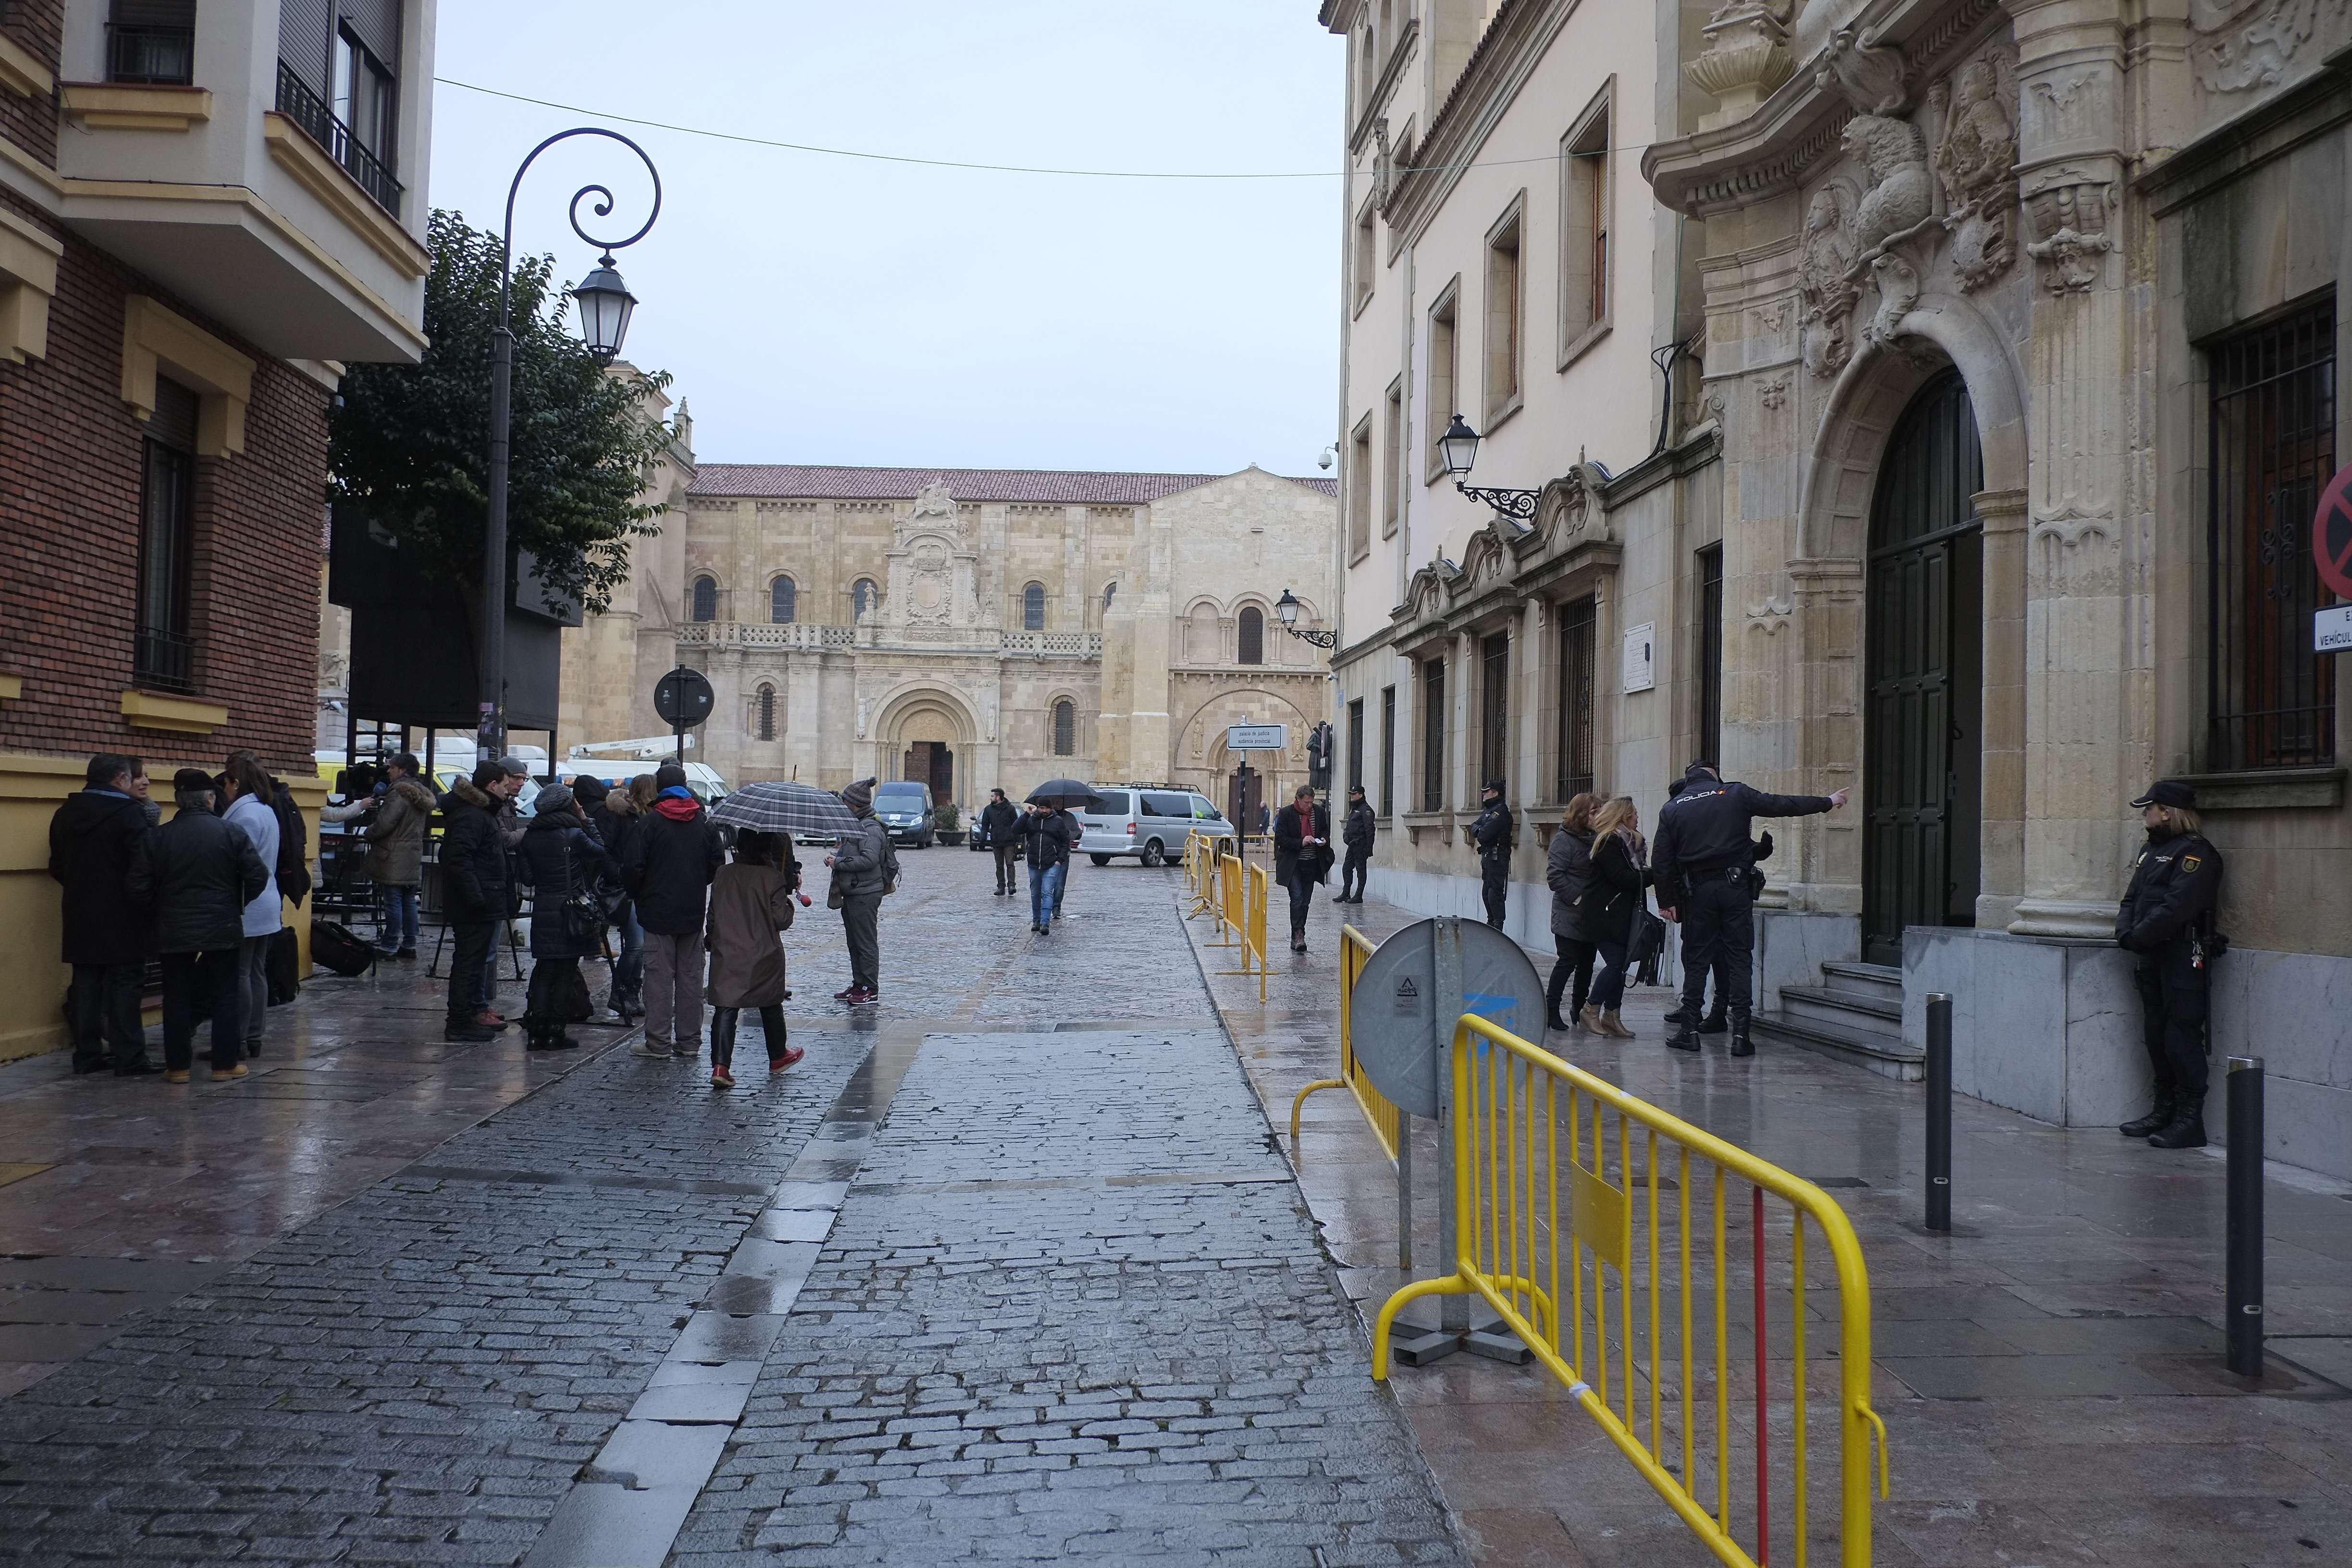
(1568,871)
(1620,873)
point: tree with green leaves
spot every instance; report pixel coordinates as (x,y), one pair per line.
(411,443)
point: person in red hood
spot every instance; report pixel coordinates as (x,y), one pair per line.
(670,859)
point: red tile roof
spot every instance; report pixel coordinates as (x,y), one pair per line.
(809,481)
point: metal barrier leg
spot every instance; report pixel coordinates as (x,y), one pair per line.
(2246,1241)
(1299,1100)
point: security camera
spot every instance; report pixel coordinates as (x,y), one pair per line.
(1325,458)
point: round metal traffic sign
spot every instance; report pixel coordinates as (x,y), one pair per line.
(683,698)
(1394,1015)
(2331,534)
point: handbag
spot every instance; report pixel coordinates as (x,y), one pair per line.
(584,919)
(1649,938)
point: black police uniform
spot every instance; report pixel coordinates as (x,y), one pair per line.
(1358,835)
(1492,834)
(1702,857)
(2166,917)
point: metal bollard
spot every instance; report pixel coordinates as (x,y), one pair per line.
(2245,1243)
(1939,1111)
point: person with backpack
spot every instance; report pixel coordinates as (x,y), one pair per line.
(201,876)
(252,806)
(672,853)
(395,857)
(865,869)
(751,908)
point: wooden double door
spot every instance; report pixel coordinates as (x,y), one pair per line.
(1924,724)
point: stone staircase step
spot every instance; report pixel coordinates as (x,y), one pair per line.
(1881,980)
(1849,1009)
(1882,1053)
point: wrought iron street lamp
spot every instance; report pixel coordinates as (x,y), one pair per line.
(1459,449)
(1285,610)
(605,304)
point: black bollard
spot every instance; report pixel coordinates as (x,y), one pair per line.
(1939,1111)
(2245,1243)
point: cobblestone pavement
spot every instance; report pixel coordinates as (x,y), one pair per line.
(2049,1373)
(1072,1308)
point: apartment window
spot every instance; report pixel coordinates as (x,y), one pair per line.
(1387,749)
(1364,256)
(1065,728)
(1578,651)
(1495,708)
(1433,735)
(764,721)
(1441,407)
(1391,457)
(365,94)
(1584,222)
(1710,653)
(1360,489)
(1356,743)
(338,79)
(151,42)
(2269,699)
(1503,311)
(783,600)
(706,599)
(163,652)
(862,596)
(1033,608)
(1252,625)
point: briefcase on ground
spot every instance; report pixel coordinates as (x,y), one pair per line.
(334,948)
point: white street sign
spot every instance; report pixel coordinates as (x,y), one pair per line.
(1257,737)
(2331,630)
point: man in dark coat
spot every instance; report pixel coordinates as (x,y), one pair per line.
(200,873)
(1302,855)
(1357,835)
(97,841)
(1046,836)
(999,829)
(2167,920)
(1491,833)
(672,853)
(864,865)
(473,897)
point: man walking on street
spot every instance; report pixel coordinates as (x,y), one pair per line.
(97,840)
(1046,838)
(1356,832)
(999,829)
(673,853)
(200,874)
(1702,861)
(473,897)
(864,865)
(1492,834)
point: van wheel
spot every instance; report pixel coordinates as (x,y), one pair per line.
(1155,854)
(1099,860)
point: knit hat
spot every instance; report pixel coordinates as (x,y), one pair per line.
(554,797)
(669,775)
(859,796)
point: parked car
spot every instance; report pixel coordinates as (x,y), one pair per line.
(904,809)
(1148,822)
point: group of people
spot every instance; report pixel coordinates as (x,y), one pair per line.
(1045,838)
(201,891)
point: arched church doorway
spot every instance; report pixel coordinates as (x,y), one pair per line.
(928,735)
(1924,724)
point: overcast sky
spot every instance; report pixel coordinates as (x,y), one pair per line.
(825,309)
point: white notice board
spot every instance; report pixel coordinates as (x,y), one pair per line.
(1257,737)
(1641,657)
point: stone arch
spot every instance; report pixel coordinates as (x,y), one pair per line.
(921,710)
(1203,632)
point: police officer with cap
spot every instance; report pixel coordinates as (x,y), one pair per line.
(1492,834)
(1702,857)
(2166,919)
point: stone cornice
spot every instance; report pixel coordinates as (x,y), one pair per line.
(1507,53)
(2268,130)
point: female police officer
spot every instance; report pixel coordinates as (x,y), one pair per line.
(2166,919)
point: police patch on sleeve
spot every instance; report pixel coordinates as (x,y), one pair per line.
(2190,862)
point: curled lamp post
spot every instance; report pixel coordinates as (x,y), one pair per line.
(605,304)
(1285,610)
(1459,449)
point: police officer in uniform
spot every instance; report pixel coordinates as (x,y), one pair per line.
(1492,834)
(2167,918)
(1703,858)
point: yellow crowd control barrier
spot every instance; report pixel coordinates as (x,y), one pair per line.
(1535,1198)
(1243,892)
(1199,874)
(1355,950)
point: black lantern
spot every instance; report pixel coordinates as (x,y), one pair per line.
(1285,610)
(604,304)
(1458,447)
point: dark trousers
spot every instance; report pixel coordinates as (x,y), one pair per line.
(200,984)
(1574,965)
(469,944)
(723,1032)
(103,1004)
(1494,885)
(1718,926)
(1007,855)
(1352,872)
(553,983)
(1609,986)
(1301,884)
(861,919)
(2172,1023)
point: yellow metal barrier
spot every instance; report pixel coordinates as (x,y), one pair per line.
(1245,891)
(1200,876)
(1529,1207)
(1355,950)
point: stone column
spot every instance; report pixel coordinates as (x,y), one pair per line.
(2002,830)
(2087,687)
(1828,614)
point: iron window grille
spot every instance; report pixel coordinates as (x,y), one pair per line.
(150,56)
(1433,735)
(1387,749)
(1495,708)
(1578,649)
(1356,743)
(1710,653)
(1065,729)
(163,652)
(306,109)
(2270,698)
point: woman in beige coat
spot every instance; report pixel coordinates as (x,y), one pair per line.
(751,908)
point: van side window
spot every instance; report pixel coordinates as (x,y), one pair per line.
(1155,804)
(1205,812)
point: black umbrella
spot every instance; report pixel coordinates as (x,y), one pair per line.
(1063,792)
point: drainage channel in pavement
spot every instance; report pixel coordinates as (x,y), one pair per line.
(628,1504)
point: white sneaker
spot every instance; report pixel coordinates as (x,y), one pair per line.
(649,1050)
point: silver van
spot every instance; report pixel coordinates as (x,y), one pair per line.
(1147,821)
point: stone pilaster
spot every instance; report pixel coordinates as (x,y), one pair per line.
(1828,616)
(2001,835)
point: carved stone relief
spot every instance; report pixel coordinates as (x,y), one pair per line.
(1823,286)
(2069,208)
(1773,392)
(1978,161)
(1873,76)
(2241,48)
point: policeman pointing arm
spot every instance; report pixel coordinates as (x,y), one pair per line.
(1702,857)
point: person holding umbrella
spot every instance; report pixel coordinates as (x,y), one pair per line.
(1046,840)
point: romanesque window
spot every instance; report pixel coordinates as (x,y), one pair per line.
(783,599)
(1110,592)
(706,599)
(765,719)
(862,596)
(1033,608)
(1065,728)
(1253,634)
(2269,699)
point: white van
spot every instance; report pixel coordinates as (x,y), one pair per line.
(1149,822)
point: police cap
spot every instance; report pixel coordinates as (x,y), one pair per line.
(2168,792)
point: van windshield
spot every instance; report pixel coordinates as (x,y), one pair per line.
(911,794)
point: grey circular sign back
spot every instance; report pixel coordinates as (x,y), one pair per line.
(1393,1015)
(683,697)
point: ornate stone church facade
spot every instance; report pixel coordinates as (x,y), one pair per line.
(970,629)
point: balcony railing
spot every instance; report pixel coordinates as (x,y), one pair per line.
(309,110)
(150,56)
(163,661)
